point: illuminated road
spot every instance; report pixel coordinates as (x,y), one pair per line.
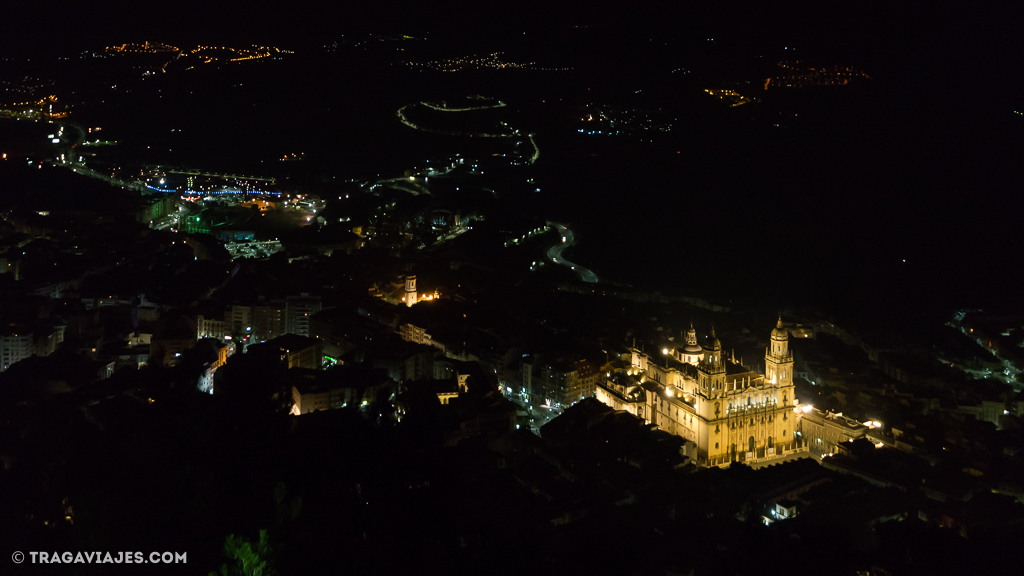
(83,169)
(1013,374)
(405,120)
(536,149)
(555,252)
(500,104)
(212,175)
(513,134)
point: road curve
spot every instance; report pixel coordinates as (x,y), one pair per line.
(566,238)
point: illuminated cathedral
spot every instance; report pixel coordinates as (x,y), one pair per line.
(729,412)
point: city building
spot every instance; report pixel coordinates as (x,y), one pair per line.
(622,391)
(313,396)
(297,313)
(48,336)
(211,328)
(450,389)
(294,350)
(412,333)
(213,353)
(268,320)
(785,509)
(339,387)
(261,322)
(239,319)
(557,381)
(731,413)
(15,345)
(173,335)
(824,432)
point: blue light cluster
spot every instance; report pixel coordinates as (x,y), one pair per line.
(257,192)
(198,193)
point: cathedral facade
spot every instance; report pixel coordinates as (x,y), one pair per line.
(731,413)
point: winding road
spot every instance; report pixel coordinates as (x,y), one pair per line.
(555,252)
(513,134)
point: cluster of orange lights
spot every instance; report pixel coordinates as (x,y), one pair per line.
(239,54)
(51,98)
(471,62)
(233,54)
(807,76)
(251,57)
(147,48)
(731,96)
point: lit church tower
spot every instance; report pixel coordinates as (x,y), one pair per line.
(410,290)
(778,360)
(711,371)
(692,352)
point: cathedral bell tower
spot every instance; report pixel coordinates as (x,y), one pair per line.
(410,290)
(778,360)
(711,369)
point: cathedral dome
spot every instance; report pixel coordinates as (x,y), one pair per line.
(713,343)
(691,342)
(780,333)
